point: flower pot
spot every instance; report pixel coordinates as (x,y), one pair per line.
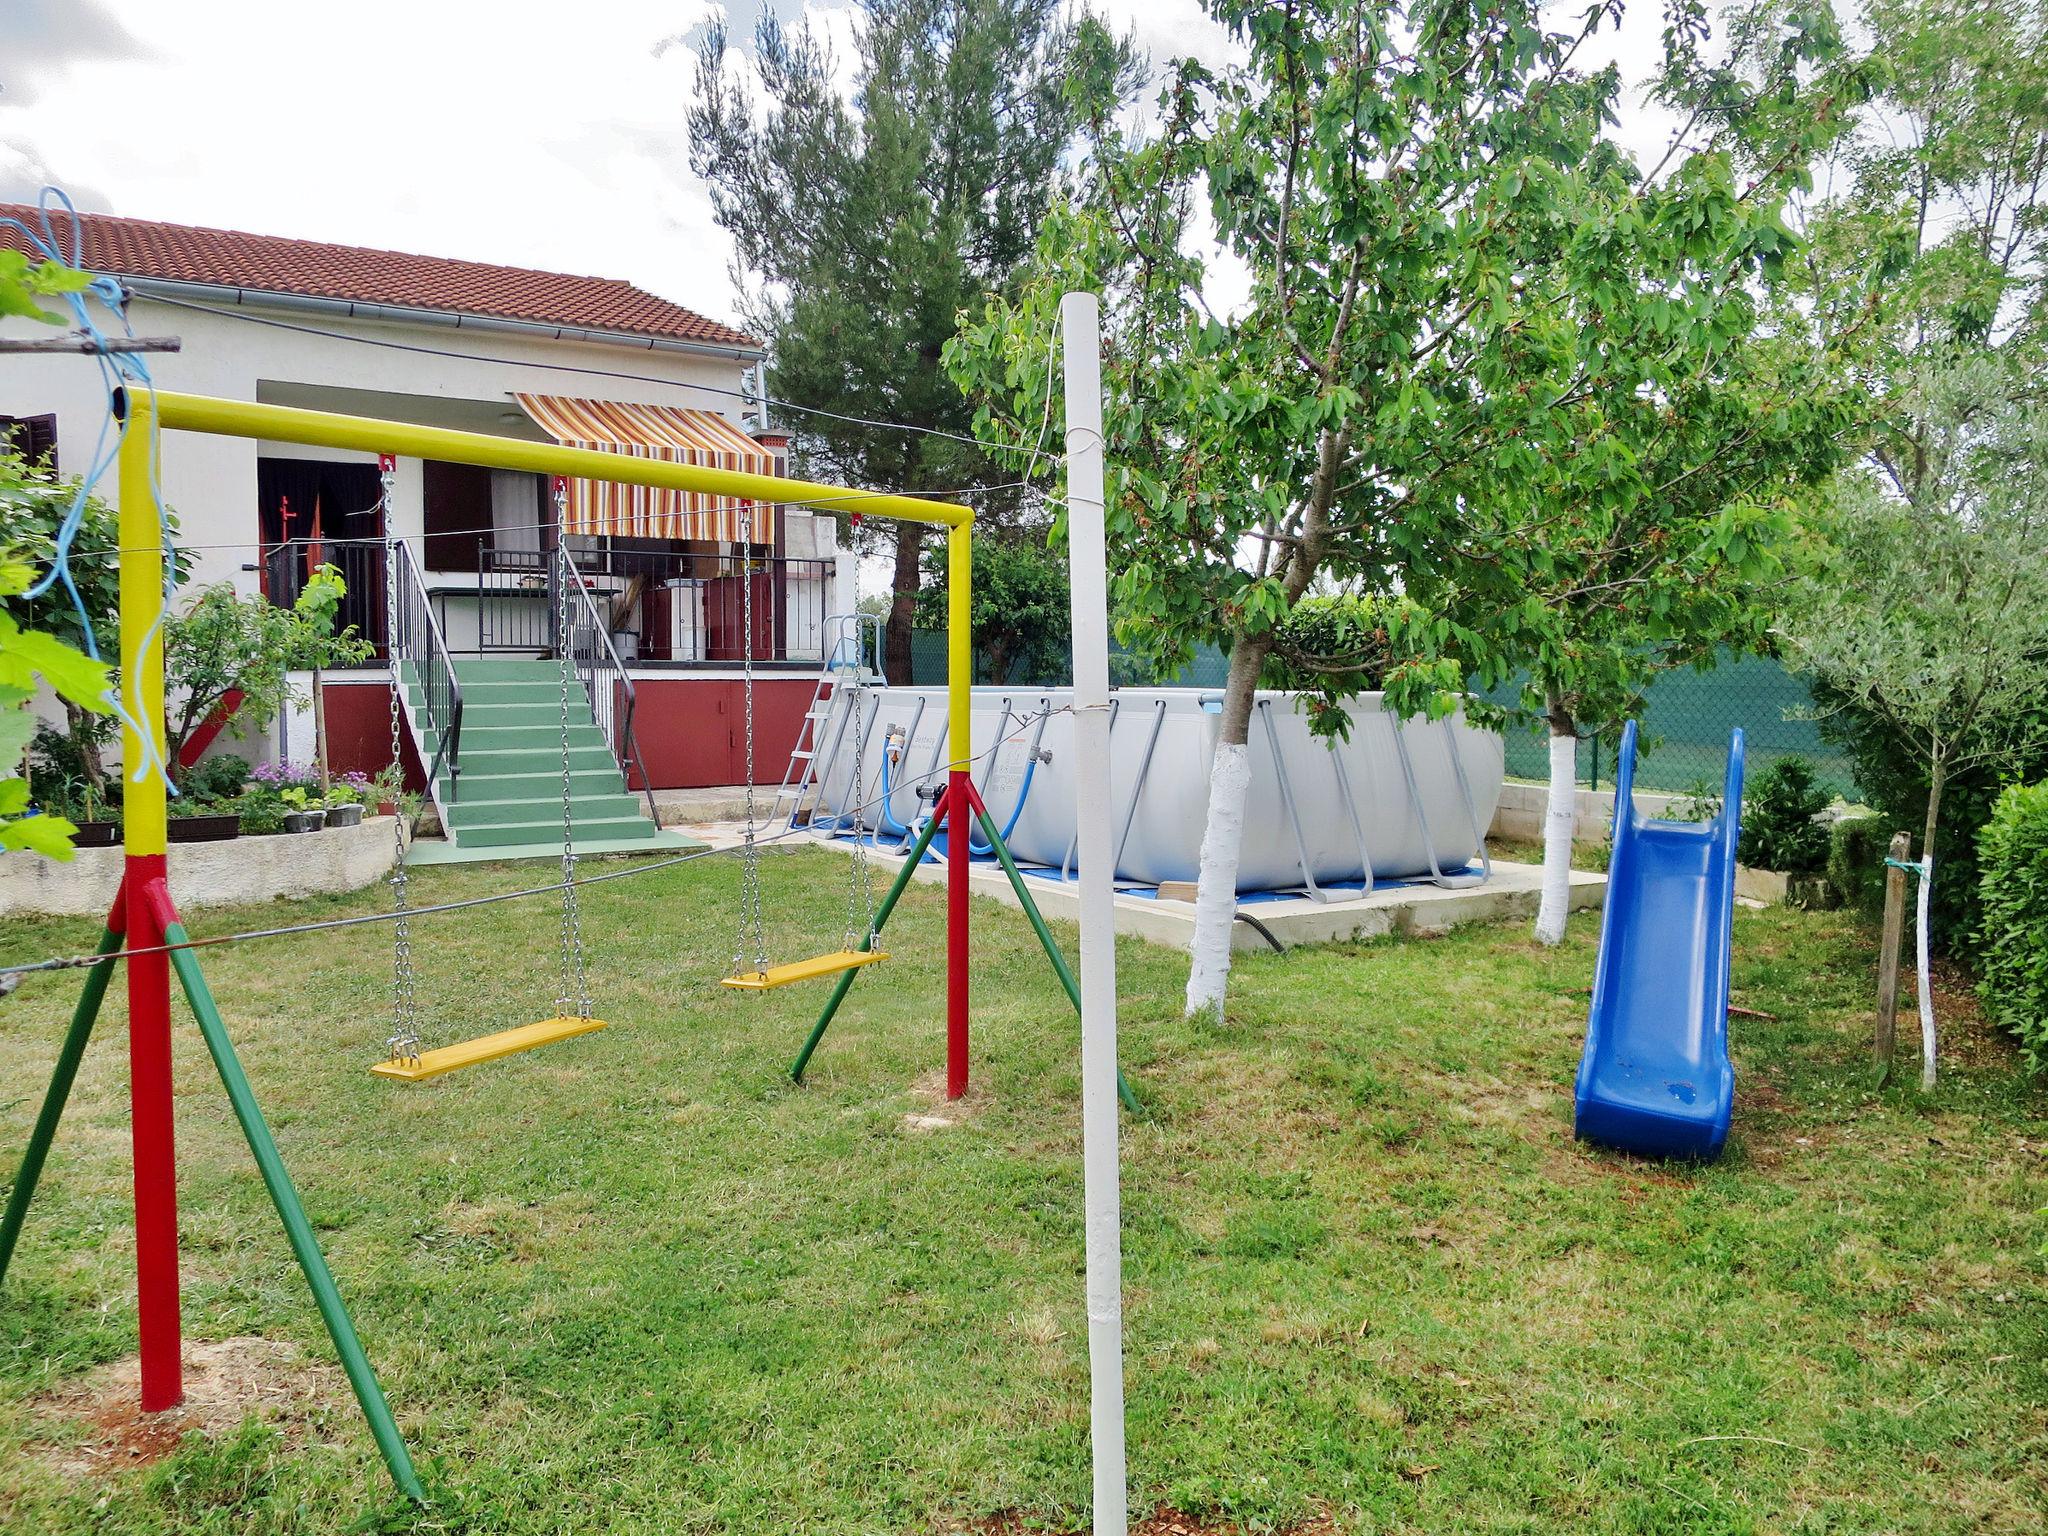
(304,821)
(96,834)
(344,815)
(203,829)
(387,807)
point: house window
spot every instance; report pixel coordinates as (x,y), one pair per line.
(457,503)
(471,512)
(33,437)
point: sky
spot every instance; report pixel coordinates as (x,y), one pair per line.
(488,131)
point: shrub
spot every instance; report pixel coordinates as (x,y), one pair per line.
(1779,830)
(1894,783)
(1857,845)
(219,777)
(1702,802)
(2013,937)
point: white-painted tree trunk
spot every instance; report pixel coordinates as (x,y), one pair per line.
(1230,777)
(1926,983)
(1559,821)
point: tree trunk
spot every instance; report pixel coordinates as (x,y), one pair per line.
(903,584)
(78,728)
(1560,819)
(320,732)
(1230,777)
(1937,777)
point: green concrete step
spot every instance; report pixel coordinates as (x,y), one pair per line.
(480,760)
(547,734)
(482,784)
(505,669)
(540,833)
(541,713)
(466,813)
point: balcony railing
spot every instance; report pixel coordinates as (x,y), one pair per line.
(286,567)
(660,605)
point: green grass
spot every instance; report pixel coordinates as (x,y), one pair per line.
(640,1283)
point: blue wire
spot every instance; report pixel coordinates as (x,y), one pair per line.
(117,371)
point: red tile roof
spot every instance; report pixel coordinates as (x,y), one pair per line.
(143,248)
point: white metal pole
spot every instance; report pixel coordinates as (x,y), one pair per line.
(1080,325)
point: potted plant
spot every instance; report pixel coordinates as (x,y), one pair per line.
(300,813)
(262,813)
(196,820)
(386,789)
(346,795)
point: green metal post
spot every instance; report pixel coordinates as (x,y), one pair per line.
(340,1328)
(867,942)
(59,1092)
(1045,938)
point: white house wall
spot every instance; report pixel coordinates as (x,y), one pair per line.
(211,481)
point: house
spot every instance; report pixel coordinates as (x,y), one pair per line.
(521,354)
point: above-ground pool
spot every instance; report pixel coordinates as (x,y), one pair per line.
(1399,799)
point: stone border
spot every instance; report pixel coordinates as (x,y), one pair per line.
(241,869)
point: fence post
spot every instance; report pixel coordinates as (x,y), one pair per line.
(1887,1042)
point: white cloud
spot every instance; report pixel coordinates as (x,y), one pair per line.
(510,132)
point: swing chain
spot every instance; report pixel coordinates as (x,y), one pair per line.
(574,990)
(752,932)
(404,1043)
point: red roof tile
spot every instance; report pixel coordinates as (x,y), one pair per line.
(143,248)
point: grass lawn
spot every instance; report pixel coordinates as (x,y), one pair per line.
(640,1283)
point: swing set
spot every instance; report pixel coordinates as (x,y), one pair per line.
(144,929)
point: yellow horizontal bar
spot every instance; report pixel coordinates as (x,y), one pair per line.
(469,1053)
(326,429)
(804,970)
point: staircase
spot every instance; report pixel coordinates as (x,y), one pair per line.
(507,803)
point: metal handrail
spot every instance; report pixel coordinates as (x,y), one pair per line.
(623,742)
(414,634)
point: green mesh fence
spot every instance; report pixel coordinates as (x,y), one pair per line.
(1684,729)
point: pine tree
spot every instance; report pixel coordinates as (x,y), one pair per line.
(864,222)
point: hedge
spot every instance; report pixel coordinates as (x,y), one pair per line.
(2012,851)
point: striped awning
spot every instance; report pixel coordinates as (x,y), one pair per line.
(654,432)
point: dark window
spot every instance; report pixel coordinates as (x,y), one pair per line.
(33,437)
(458,514)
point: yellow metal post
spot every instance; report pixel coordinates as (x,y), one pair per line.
(142,601)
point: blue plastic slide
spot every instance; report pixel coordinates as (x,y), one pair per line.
(1655,1077)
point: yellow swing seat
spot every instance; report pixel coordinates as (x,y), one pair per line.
(469,1053)
(804,970)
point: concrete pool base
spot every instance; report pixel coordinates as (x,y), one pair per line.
(1409,908)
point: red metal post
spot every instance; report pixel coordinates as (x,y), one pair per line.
(156,1181)
(959,838)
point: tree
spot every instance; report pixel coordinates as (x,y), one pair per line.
(1931,236)
(862,225)
(225,644)
(1930,612)
(38,641)
(1459,288)
(1022,613)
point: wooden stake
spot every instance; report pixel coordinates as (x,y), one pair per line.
(1887,1042)
(73,342)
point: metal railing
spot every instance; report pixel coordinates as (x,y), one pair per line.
(416,644)
(286,566)
(599,668)
(515,597)
(662,605)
